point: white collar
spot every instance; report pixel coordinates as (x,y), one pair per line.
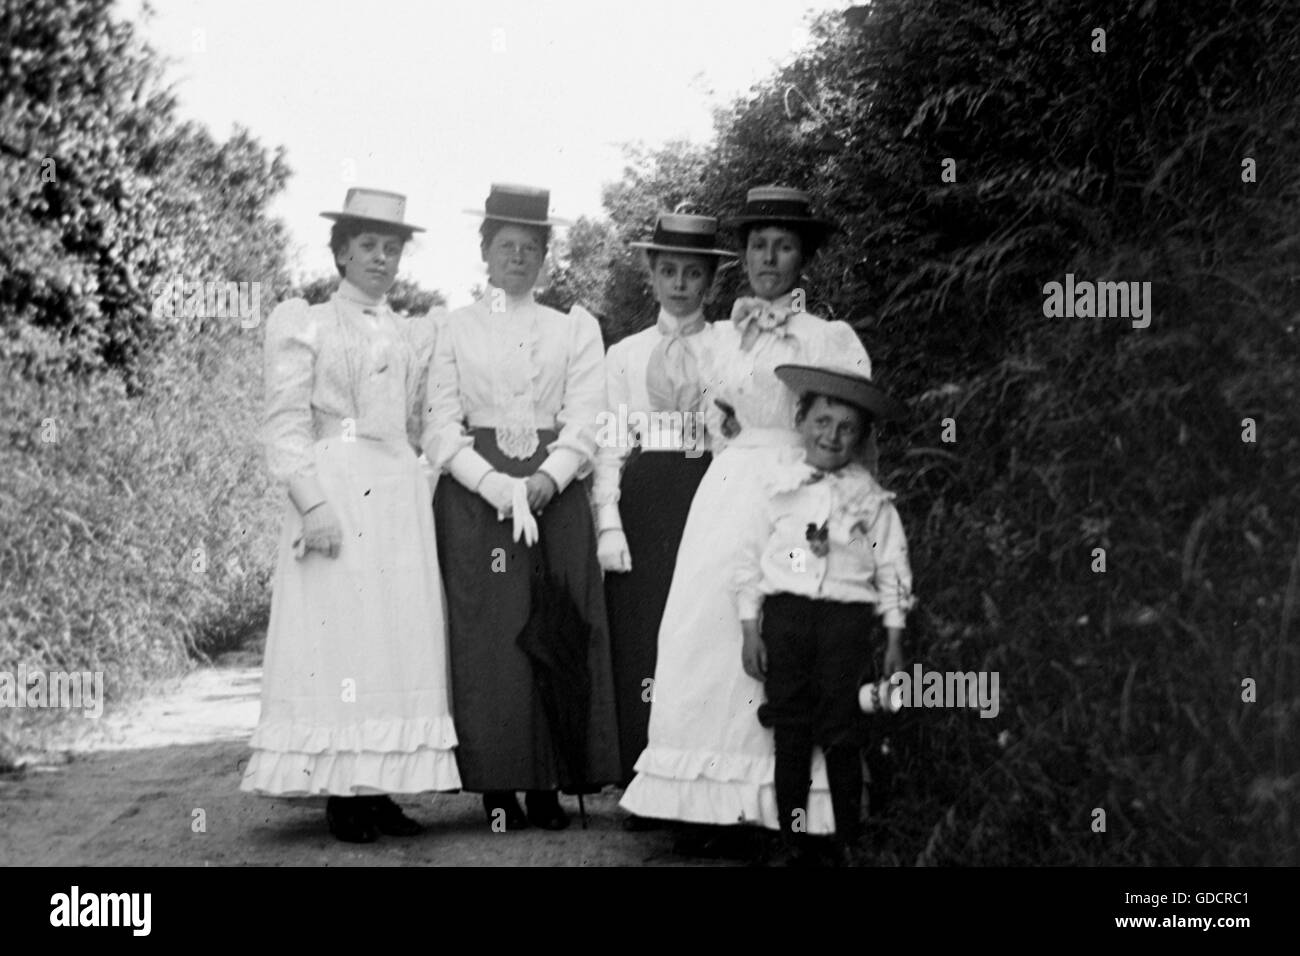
(669,324)
(350,293)
(513,303)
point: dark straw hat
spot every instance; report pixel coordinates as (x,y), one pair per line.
(526,205)
(846,386)
(781,206)
(687,234)
(376,206)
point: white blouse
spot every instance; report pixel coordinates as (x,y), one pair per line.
(864,557)
(517,368)
(630,419)
(747,380)
(347,364)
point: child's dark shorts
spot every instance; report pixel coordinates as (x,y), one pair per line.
(818,654)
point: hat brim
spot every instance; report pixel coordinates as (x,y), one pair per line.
(519,222)
(818,227)
(385,223)
(845,386)
(684,250)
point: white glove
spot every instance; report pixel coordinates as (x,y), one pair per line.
(498,490)
(611,551)
(525,523)
(320,532)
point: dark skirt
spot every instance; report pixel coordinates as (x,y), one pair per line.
(506,741)
(655,495)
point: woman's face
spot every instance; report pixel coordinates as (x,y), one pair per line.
(370,261)
(773,260)
(514,258)
(680,282)
(831,433)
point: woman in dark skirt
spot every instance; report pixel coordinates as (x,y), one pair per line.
(652,457)
(515,392)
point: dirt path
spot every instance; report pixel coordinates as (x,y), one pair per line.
(128,793)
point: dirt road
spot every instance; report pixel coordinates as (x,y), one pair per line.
(158,784)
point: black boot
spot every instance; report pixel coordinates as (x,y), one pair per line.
(390,819)
(544,810)
(503,810)
(349,819)
(844,774)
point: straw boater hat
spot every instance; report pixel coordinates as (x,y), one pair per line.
(525,205)
(683,233)
(846,386)
(782,206)
(375,206)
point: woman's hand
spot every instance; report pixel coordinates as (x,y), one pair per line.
(894,660)
(541,489)
(753,655)
(730,424)
(321,532)
(612,552)
(498,490)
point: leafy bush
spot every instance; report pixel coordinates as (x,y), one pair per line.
(1120,690)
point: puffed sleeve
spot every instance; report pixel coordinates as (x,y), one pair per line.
(444,440)
(292,340)
(421,333)
(574,449)
(612,445)
(747,569)
(841,348)
(893,570)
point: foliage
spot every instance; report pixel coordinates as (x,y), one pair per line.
(1121,690)
(405,298)
(108,195)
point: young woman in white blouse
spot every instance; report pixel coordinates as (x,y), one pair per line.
(652,457)
(708,759)
(354,689)
(515,393)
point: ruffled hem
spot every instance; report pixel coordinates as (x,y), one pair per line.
(392,736)
(712,801)
(280,774)
(730,788)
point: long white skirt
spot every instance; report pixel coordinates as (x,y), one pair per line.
(708,759)
(354,684)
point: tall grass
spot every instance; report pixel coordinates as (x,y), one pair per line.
(136,534)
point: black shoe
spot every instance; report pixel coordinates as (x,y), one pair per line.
(349,820)
(544,810)
(389,818)
(511,816)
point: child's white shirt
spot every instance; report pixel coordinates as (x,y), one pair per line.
(865,550)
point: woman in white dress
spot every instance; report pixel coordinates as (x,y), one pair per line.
(354,684)
(709,760)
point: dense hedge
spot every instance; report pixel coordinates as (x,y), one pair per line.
(1121,690)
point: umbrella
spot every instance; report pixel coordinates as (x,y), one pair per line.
(556,640)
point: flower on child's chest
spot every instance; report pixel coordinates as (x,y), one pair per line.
(819,538)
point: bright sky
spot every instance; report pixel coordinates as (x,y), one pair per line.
(439,99)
